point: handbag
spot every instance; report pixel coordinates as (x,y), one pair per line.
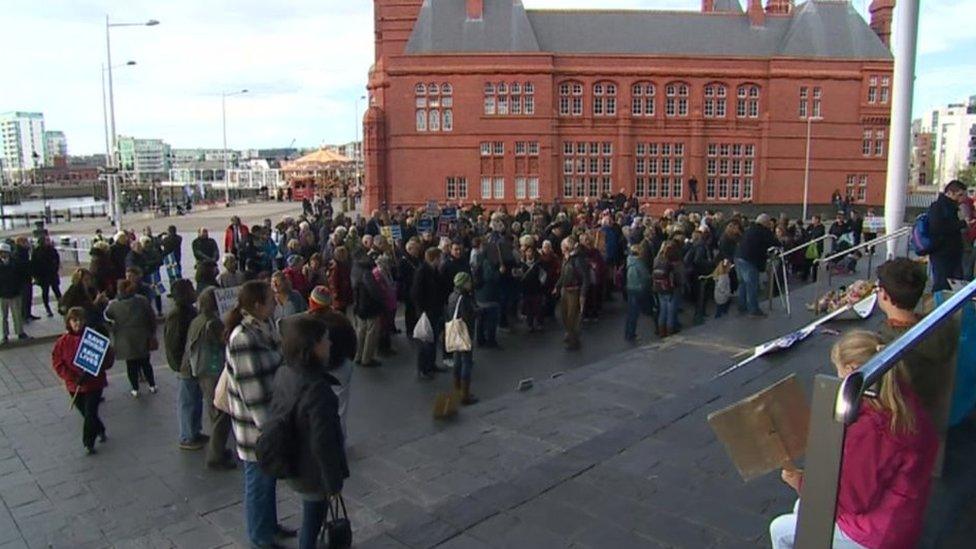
(456,335)
(337,529)
(423,331)
(220,401)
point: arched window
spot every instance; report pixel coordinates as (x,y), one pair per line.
(435,107)
(676,99)
(714,105)
(642,99)
(747,101)
(604,99)
(570,99)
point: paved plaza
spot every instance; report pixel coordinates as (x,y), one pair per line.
(609,449)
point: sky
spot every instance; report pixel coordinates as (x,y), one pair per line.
(303,62)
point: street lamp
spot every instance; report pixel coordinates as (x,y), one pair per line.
(357,158)
(108,146)
(110,160)
(223,117)
(806,170)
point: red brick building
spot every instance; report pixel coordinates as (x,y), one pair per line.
(483,100)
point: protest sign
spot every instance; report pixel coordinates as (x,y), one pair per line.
(396,232)
(226,299)
(449,213)
(425,225)
(91,352)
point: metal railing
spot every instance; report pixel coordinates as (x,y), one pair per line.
(821,265)
(836,403)
(785,281)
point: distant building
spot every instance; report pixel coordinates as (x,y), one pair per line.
(485,100)
(55,148)
(954,129)
(145,160)
(923,143)
(352,150)
(21,145)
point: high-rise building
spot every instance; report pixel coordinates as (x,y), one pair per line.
(145,160)
(954,129)
(923,142)
(55,147)
(486,100)
(21,145)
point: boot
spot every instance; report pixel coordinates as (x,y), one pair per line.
(457,386)
(467,399)
(663,332)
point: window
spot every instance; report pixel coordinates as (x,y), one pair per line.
(588,158)
(747,101)
(504,98)
(676,187)
(485,148)
(520,188)
(879,143)
(568,187)
(570,99)
(652,187)
(434,105)
(660,158)
(642,100)
(520,148)
(607,166)
(486,188)
(593,188)
(714,104)
(873,89)
(711,166)
(457,187)
(804,103)
(607,148)
(533,148)
(499,188)
(725,167)
(641,167)
(498,148)
(533,187)
(665,188)
(817,95)
(747,189)
(866,143)
(710,188)
(640,189)
(885,89)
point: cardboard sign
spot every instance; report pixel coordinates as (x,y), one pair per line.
(226,299)
(396,232)
(449,213)
(91,352)
(766,431)
(425,225)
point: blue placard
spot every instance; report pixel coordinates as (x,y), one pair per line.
(396,232)
(425,225)
(91,352)
(449,213)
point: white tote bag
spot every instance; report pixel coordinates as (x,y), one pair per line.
(423,331)
(456,335)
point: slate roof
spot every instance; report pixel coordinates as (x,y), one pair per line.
(815,29)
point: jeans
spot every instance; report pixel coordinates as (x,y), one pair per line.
(633,313)
(748,276)
(136,365)
(667,315)
(260,504)
(189,409)
(782,532)
(87,406)
(463,365)
(313,518)
(487,324)
(427,353)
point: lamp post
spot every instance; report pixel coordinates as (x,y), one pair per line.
(108,145)
(111,160)
(223,118)
(357,125)
(806,169)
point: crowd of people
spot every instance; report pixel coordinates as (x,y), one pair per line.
(319,294)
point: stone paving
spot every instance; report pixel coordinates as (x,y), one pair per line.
(613,451)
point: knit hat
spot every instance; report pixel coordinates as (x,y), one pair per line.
(462,279)
(320,298)
(294,260)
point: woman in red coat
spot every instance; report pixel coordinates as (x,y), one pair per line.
(85,389)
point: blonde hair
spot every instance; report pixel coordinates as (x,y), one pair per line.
(859,346)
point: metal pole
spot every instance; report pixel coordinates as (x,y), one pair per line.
(113,180)
(108,146)
(223,121)
(806,171)
(896,187)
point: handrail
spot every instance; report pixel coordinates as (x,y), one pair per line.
(852,388)
(807,243)
(904,231)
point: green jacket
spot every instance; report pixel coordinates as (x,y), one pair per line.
(175,330)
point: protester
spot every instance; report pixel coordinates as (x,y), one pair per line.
(750,261)
(367,310)
(11,293)
(204,247)
(638,286)
(288,301)
(532,284)
(343,345)
(171,248)
(303,391)
(133,327)
(84,388)
(572,288)
(253,357)
(45,268)
(461,305)
(666,282)
(25,280)
(189,409)
(889,455)
(83,293)
(427,293)
(232,277)
(945,231)
(205,352)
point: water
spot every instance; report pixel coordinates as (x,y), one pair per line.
(37,206)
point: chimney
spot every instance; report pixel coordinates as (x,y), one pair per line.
(757,17)
(476,9)
(708,6)
(882,12)
(779,7)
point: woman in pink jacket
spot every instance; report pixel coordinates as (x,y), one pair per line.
(889,456)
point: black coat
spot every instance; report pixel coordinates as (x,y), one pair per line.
(205,249)
(754,245)
(46,265)
(945,227)
(427,292)
(11,278)
(321,448)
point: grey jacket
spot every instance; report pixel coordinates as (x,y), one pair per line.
(133,323)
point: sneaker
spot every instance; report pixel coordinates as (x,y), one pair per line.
(192,445)
(134,393)
(152,389)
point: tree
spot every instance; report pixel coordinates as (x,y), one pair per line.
(967,175)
